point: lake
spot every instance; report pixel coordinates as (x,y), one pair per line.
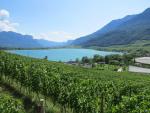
(61,54)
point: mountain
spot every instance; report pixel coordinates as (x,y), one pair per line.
(119,32)
(16,40)
(107,28)
(46,43)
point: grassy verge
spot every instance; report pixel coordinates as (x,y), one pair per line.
(31,101)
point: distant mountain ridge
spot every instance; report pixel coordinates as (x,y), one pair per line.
(119,32)
(46,43)
(16,40)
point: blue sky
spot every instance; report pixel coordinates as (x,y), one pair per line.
(61,20)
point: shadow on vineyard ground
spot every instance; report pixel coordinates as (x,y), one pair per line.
(29,105)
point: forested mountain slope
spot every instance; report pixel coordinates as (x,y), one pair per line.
(120,32)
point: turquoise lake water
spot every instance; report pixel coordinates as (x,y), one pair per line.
(61,54)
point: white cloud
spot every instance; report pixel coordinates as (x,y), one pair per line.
(58,36)
(5,23)
(4,14)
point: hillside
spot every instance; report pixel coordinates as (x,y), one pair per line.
(120,32)
(80,90)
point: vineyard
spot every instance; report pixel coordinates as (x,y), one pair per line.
(77,89)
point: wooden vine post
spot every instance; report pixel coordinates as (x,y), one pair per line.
(41,107)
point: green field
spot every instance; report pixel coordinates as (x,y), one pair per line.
(72,89)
